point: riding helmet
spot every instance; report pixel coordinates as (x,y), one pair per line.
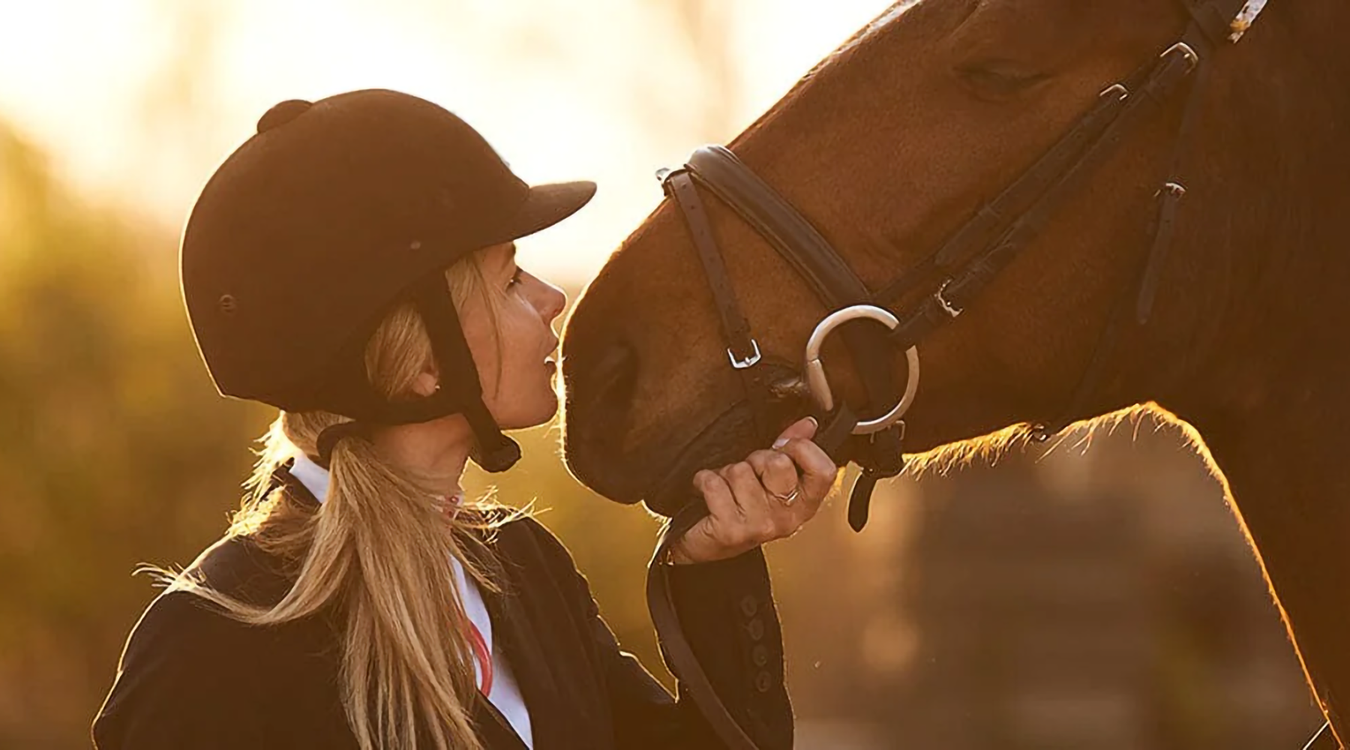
(333,212)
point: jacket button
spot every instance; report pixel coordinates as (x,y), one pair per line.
(759,655)
(763,682)
(755,629)
(749,606)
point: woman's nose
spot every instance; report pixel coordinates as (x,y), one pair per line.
(551,302)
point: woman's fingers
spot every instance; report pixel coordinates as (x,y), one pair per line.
(736,516)
(815,468)
(759,522)
(767,496)
(704,541)
(717,494)
(777,473)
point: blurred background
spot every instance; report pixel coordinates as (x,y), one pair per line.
(1094,595)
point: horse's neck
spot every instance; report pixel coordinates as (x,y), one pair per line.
(1284,462)
(1272,400)
(1266,231)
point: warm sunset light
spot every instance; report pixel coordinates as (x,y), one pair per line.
(1108,517)
(136,101)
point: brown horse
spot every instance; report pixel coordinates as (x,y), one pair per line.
(898,138)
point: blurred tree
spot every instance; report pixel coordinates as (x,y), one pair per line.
(113,447)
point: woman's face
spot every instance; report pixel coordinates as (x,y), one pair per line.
(516,354)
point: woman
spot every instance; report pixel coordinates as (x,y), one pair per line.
(352,264)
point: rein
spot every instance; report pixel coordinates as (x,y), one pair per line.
(955,274)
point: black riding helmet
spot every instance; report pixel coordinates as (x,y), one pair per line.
(320,223)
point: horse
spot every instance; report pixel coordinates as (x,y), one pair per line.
(1213,222)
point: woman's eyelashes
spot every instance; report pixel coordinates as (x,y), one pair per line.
(515,279)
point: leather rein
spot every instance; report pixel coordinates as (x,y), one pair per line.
(948,279)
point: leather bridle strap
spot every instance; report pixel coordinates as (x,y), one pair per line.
(995,217)
(1053,175)
(1145,290)
(1022,210)
(813,258)
(835,283)
(743,350)
(960,288)
(679,654)
(1207,31)
(778,222)
(835,432)
(837,286)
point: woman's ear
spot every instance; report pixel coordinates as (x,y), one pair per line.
(426,383)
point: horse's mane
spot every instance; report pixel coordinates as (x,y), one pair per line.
(987,450)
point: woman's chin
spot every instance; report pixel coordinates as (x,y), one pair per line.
(524,420)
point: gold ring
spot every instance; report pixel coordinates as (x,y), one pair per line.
(787,499)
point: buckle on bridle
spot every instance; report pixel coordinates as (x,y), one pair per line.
(819,384)
(1186,51)
(748,362)
(940,296)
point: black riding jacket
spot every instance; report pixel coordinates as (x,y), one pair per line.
(192,678)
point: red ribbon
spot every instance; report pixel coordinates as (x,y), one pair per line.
(481,654)
(483,657)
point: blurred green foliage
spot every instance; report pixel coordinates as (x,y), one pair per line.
(114,448)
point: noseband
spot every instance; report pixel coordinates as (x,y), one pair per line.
(944,283)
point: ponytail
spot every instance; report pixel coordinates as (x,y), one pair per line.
(376,555)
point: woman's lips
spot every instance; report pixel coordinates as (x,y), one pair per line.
(549,361)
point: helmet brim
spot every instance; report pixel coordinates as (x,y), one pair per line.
(547,205)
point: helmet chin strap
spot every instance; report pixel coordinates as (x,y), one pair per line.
(492,450)
(459,392)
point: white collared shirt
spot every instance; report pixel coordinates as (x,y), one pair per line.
(505,695)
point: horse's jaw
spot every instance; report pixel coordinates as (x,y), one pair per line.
(657,469)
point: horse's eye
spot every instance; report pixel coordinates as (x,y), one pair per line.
(998,79)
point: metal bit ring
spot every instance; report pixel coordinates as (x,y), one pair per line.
(820,385)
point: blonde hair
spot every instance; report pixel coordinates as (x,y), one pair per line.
(377,553)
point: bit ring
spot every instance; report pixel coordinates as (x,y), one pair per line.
(820,385)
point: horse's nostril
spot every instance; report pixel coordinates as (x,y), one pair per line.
(615,375)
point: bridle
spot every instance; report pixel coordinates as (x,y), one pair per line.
(945,282)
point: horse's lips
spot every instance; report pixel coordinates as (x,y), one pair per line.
(661,474)
(674,486)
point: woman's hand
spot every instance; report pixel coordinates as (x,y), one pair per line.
(767,496)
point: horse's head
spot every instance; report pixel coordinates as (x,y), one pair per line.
(888,148)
